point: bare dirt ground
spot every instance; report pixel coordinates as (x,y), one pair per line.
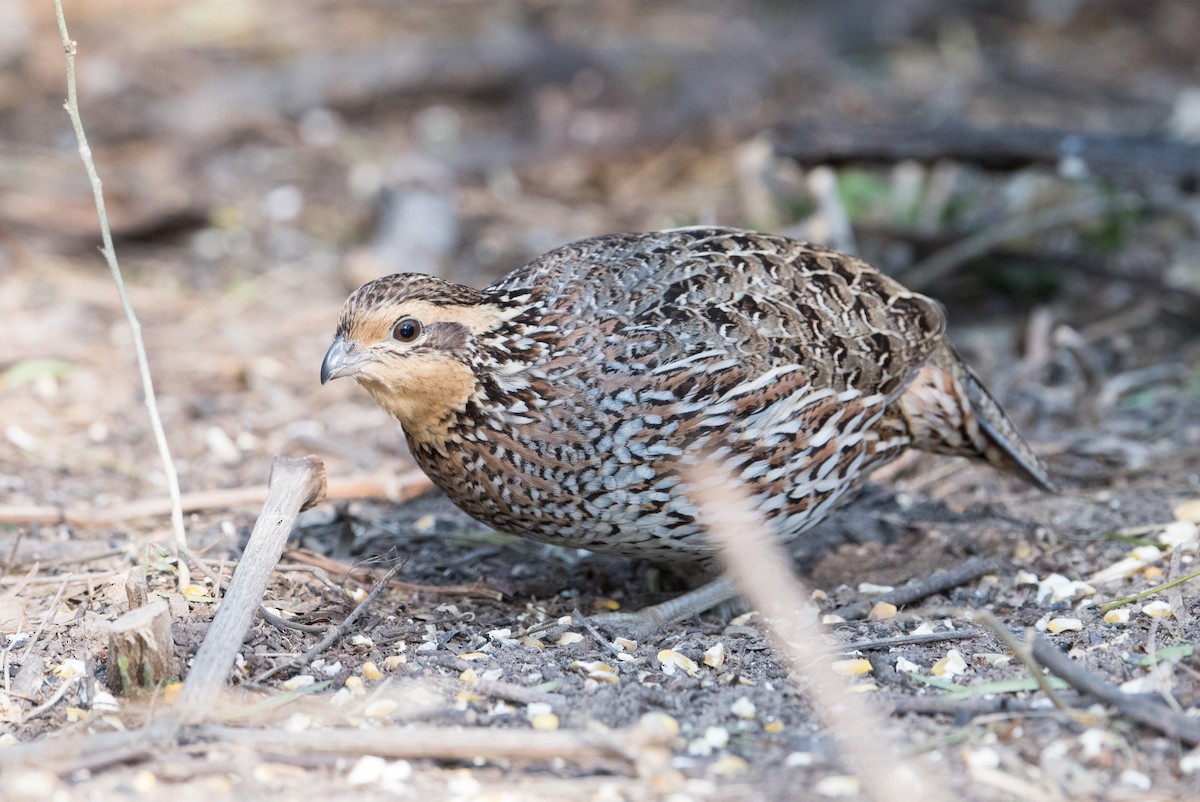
(262,159)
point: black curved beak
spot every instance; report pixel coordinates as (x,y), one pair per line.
(342,359)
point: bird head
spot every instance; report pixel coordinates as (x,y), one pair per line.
(409,340)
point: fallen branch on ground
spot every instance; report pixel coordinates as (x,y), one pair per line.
(456,743)
(1153,714)
(918,589)
(294,485)
(401,488)
(1114,155)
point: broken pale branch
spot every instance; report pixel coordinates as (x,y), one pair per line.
(295,484)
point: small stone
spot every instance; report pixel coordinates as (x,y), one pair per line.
(1135,779)
(1179,533)
(743,708)
(366,770)
(983,758)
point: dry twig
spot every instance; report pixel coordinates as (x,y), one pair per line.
(453,743)
(1023,654)
(110,256)
(1153,714)
(918,589)
(906,640)
(403,487)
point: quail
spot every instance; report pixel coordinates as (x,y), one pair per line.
(565,401)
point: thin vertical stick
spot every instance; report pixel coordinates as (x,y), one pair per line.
(110,255)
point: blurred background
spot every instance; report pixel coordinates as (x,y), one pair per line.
(261,159)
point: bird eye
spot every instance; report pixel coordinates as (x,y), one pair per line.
(407,330)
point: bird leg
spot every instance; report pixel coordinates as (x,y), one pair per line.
(648,620)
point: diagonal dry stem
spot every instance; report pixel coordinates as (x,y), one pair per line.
(110,256)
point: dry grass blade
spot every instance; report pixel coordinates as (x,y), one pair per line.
(760,568)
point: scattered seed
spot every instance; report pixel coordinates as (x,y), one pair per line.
(1057,625)
(597,670)
(838,786)
(381,708)
(544,721)
(852,668)
(671,660)
(951,665)
(882,611)
(297,682)
(743,708)
(1158,609)
(728,765)
(715,655)
(1188,511)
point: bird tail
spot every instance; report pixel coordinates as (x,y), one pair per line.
(948,411)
